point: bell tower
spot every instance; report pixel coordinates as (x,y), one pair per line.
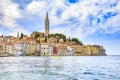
(46,27)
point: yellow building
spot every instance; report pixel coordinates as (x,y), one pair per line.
(88,50)
(32,47)
(52,40)
(9,48)
(42,40)
(79,50)
(1,47)
(61,49)
(94,50)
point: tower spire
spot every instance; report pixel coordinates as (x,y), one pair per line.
(46,14)
(47,19)
(46,27)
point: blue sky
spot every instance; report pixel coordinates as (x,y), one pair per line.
(92,21)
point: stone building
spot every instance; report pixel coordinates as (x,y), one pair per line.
(79,50)
(46,49)
(52,40)
(32,47)
(61,49)
(41,35)
(2,47)
(95,50)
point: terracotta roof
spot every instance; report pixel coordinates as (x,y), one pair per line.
(58,44)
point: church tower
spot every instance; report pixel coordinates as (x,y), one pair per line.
(46,27)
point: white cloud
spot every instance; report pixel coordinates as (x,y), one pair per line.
(80,20)
(8,22)
(113,25)
(61,30)
(36,7)
(81,12)
(10,12)
(61,11)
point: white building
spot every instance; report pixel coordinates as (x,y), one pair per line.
(18,48)
(37,49)
(26,47)
(46,49)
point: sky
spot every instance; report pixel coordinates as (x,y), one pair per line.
(91,21)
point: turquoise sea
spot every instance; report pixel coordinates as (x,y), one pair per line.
(60,68)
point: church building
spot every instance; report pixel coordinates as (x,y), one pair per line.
(42,37)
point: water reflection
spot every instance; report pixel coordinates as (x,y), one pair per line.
(64,68)
(46,65)
(51,67)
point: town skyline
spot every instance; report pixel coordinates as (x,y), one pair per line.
(95,22)
(46,44)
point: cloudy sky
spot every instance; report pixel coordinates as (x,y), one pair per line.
(92,21)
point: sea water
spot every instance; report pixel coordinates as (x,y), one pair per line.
(60,68)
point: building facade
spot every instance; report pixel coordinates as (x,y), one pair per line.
(46,49)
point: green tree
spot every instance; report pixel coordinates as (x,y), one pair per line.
(77,41)
(51,35)
(58,36)
(37,35)
(45,39)
(21,36)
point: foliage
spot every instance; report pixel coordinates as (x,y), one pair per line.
(51,35)
(45,39)
(21,36)
(37,35)
(58,36)
(77,41)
